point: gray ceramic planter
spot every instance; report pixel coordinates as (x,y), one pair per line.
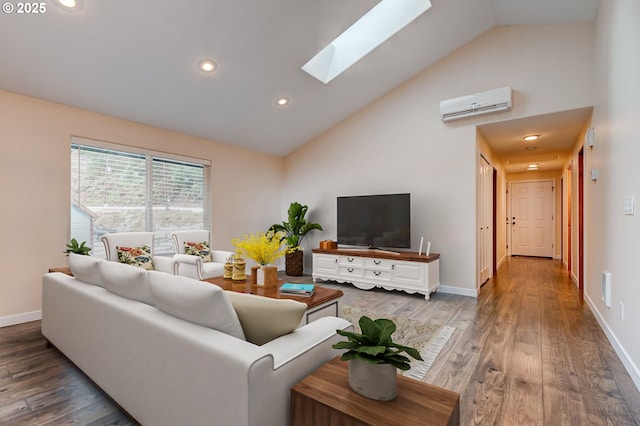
(375,381)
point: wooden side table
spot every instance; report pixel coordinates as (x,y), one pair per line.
(63,269)
(324,398)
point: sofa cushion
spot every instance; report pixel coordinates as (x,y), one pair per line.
(126,281)
(198,249)
(86,268)
(195,301)
(263,318)
(136,256)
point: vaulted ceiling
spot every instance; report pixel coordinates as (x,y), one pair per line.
(137,60)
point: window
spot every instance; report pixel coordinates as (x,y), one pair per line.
(122,189)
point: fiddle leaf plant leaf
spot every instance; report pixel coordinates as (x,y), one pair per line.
(375,345)
(296,226)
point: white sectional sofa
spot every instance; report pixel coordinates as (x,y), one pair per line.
(171,351)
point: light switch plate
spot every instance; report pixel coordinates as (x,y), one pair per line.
(628,205)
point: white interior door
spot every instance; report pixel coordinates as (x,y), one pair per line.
(532,218)
(485,218)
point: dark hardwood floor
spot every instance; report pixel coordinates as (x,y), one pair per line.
(39,386)
(528,351)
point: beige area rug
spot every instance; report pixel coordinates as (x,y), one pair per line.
(427,338)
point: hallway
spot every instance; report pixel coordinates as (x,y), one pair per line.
(532,353)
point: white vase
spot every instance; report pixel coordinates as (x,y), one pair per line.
(375,381)
(260,275)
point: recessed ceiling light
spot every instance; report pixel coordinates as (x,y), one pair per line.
(531,148)
(530,137)
(206,65)
(70,5)
(282,101)
(533,166)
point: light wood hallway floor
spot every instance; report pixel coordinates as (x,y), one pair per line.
(528,351)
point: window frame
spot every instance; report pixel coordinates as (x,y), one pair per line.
(150,157)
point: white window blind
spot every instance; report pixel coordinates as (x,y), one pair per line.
(117,190)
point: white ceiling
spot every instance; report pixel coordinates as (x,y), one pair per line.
(137,60)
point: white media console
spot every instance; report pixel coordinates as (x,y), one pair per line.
(367,269)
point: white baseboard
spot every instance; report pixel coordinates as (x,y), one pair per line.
(629,365)
(457,290)
(20,318)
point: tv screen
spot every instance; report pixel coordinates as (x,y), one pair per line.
(375,221)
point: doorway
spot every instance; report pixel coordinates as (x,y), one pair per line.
(569,216)
(581,222)
(486,218)
(532,218)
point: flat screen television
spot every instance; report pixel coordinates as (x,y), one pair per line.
(375,221)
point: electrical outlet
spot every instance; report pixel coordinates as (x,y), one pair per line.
(628,205)
(621,311)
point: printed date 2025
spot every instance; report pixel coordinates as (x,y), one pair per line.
(25,8)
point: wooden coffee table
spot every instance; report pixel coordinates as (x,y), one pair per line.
(324,302)
(325,398)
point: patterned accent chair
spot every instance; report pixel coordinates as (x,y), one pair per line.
(198,266)
(137,240)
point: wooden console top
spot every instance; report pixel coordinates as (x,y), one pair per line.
(381,254)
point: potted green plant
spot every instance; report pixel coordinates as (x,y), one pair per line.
(77,248)
(374,358)
(294,231)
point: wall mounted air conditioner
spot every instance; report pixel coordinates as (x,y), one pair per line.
(479,103)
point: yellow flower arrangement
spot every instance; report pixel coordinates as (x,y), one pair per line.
(262,247)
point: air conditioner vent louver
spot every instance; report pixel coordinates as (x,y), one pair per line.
(479,103)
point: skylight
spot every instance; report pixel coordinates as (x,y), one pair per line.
(374,28)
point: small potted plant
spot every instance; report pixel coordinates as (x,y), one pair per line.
(77,248)
(294,231)
(374,358)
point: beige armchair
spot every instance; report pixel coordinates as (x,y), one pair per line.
(192,265)
(137,239)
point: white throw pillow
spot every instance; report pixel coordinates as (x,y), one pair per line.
(126,281)
(263,318)
(195,301)
(86,269)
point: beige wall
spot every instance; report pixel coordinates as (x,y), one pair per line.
(613,239)
(35,167)
(399,144)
